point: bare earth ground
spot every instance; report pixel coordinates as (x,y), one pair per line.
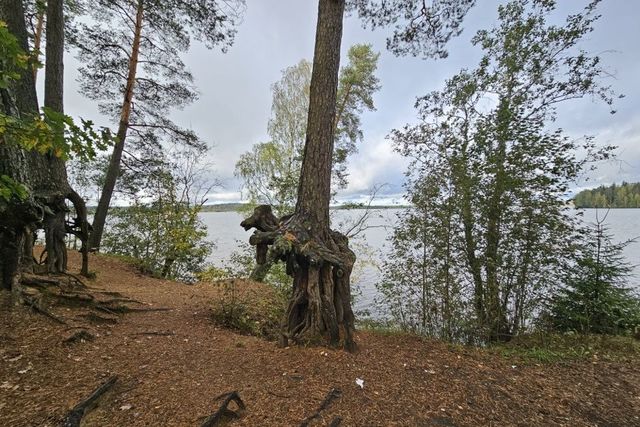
(173,379)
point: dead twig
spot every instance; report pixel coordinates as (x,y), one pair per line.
(333,394)
(284,396)
(80,336)
(156,333)
(35,306)
(74,417)
(224,412)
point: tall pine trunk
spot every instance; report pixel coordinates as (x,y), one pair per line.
(314,190)
(113,171)
(318,259)
(54,224)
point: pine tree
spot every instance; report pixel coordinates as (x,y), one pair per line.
(596,296)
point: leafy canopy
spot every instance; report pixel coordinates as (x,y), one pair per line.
(271,170)
(50,132)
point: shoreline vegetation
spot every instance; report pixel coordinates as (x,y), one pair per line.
(622,196)
(235,207)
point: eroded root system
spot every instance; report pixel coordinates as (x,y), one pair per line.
(52,295)
(320,264)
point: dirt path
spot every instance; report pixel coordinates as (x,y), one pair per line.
(172,364)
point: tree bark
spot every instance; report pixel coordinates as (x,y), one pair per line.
(54,224)
(314,190)
(54,65)
(37,39)
(17,218)
(113,171)
(318,259)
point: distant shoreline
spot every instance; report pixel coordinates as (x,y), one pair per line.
(233,207)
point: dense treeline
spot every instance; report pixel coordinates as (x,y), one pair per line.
(626,195)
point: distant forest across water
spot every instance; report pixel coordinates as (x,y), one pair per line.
(231,207)
(625,195)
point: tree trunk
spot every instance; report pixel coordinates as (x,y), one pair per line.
(37,39)
(314,190)
(54,224)
(17,219)
(54,65)
(113,171)
(318,259)
(44,174)
(496,321)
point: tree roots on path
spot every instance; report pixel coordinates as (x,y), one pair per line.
(224,413)
(50,296)
(74,417)
(333,394)
(320,264)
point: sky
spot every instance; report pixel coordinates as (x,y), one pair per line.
(234,105)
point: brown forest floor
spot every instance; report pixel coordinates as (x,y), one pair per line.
(173,380)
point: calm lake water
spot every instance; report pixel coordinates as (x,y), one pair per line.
(225,231)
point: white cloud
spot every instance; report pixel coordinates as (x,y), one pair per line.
(376,163)
(223,197)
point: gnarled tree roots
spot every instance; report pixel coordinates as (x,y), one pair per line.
(65,299)
(320,264)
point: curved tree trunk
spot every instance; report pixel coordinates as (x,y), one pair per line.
(100,217)
(318,259)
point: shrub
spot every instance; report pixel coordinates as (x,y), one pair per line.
(595,297)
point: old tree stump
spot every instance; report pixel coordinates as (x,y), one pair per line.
(320,265)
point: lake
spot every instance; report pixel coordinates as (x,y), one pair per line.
(225,231)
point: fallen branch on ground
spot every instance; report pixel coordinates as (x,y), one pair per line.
(80,336)
(74,418)
(224,412)
(333,394)
(35,306)
(156,333)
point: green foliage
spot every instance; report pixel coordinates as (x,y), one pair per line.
(161,228)
(484,244)
(9,189)
(419,28)
(54,133)
(595,298)
(165,237)
(271,170)
(13,60)
(240,265)
(249,308)
(544,347)
(625,195)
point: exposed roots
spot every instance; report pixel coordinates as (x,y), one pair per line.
(75,416)
(333,394)
(320,264)
(52,296)
(224,413)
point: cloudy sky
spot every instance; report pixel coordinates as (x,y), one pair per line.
(235,96)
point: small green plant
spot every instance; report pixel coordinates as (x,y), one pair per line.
(249,308)
(542,347)
(596,298)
